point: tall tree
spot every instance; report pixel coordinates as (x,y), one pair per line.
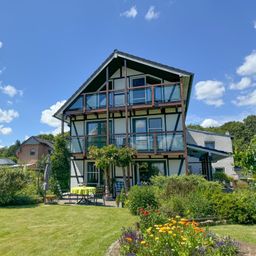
(60,162)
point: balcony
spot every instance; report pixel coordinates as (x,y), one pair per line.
(155,143)
(137,97)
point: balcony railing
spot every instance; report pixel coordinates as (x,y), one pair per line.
(150,95)
(157,142)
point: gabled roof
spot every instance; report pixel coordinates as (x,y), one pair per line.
(210,133)
(39,140)
(119,54)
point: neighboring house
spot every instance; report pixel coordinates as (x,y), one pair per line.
(216,146)
(130,101)
(4,162)
(32,150)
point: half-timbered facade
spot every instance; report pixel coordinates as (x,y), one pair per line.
(129,101)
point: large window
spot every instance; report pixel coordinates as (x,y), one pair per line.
(77,105)
(155,124)
(144,170)
(94,175)
(32,152)
(97,133)
(139,95)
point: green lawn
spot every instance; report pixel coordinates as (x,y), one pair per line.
(60,230)
(242,233)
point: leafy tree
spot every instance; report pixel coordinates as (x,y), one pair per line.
(247,158)
(49,137)
(123,159)
(104,157)
(60,162)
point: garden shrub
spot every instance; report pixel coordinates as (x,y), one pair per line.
(188,196)
(221,177)
(237,207)
(18,187)
(11,182)
(141,197)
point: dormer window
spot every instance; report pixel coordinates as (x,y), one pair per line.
(209,144)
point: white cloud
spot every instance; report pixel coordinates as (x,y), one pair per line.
(249,65)
(131,13)
(210,91)
(5,130)
(151,14)
(10,90)
(254,24)
(26,137)
(1,44)
(208,122)
(244,83)
(9,102)
(246,100)
(47,114)
(6,116)
(47,117)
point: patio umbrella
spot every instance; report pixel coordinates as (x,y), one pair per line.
(47,172)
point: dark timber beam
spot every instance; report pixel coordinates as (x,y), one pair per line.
(184,126)
(107,102)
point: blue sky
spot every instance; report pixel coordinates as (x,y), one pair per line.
(48,48)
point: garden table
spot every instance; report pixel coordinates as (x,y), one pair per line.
(85,192)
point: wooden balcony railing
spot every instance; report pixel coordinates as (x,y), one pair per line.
(156,142)
(149,95)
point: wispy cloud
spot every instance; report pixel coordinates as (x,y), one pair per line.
(254,24)
(10,90)
(246,100)
(6,116)
(2,70)
(210,92)
(131,13)
(249,65)
(1,44)
(244,83)
(152,14)
(5,130)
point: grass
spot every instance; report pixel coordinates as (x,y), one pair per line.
(60,230)
(242,233)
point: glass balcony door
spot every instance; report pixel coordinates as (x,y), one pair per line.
(140,137)
(139,95)
(97,133)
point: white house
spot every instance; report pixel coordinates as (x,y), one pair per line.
(131,101)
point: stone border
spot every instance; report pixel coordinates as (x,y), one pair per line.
(114,249)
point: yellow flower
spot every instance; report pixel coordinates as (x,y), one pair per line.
(169,232)
(143,242)
(149,229)
(157,238)
(151,235)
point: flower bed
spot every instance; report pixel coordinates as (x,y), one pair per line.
(177,236)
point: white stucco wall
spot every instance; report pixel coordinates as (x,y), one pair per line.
(222,142)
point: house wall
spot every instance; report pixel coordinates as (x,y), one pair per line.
(24,156)
(222,142)
(171,120)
